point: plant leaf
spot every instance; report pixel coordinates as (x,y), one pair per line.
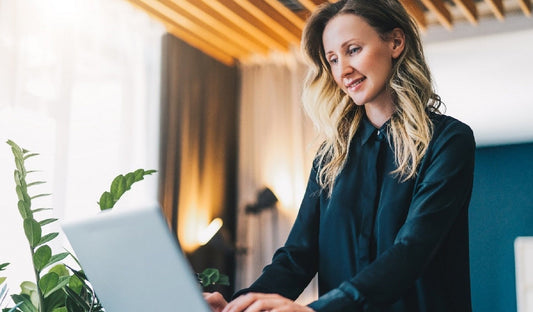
(139,174)
(41,209)
(130,179)
(47,221)
(14,147)
(27,287)
(47,238)
(212,276)
(2,279)
(40,195)
(3,266)
(16,176)
(62,281)
(48,282)
(106,201)
(57,258)
(3,293)
(24,303)
(30,155)
(60,309)
(20,195)
(55,300)
(24,209)
(223,280)
(60,270)
(19,162)
(118,186)
(36,183)
(76,300)
(209,276)
(33,231)
(75,284)
(41,257)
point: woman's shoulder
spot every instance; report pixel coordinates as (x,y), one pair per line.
(444,125)
(449,132)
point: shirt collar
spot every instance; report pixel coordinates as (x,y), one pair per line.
(367,129)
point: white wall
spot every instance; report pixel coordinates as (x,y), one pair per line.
(485,76)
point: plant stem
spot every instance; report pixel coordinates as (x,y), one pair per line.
(37,278)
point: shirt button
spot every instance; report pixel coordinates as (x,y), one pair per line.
(379,135)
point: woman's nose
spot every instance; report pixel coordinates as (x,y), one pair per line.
(346,67)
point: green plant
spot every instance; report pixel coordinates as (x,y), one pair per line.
(119,186)
(58,288)
(46,294)
(211,276)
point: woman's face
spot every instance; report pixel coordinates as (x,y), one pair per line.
(360,60)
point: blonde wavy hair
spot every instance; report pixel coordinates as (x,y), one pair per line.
(337,117)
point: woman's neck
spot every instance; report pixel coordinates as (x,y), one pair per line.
(378,114)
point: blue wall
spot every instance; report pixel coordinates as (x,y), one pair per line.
(501,209)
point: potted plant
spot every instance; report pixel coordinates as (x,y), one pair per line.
(59,287)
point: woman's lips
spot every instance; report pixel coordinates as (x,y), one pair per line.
(353,84)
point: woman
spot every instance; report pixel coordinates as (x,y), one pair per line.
(384,220)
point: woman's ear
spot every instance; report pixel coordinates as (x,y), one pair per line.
(397,42)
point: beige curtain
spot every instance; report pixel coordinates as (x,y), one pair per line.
(275,151)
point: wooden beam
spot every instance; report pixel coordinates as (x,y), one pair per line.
(267,20)
(201,5)
(497,8)
(244,25)
(193,28)
(469,9)
(439,9)
(184,35)
(525,5)
(201,17)
(416,12)
(308,4)
(285,12)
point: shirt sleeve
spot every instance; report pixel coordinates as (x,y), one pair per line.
(295,264)
(442,192)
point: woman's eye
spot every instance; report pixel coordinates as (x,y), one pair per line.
(353,50)
(333,60)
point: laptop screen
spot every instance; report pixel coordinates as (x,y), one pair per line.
(134,262)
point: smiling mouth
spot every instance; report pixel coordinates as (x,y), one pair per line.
(355,83)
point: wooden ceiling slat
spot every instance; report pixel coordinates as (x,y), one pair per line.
(244,25)
(194,28)
(441,12)
(212,24)
(469,9)
(308,4)
(416,12)
(185,35)
(201,5)
(497,8)
(267,20)
(259,24)
(283,11)
(525,5)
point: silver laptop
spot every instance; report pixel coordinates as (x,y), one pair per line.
(134,262)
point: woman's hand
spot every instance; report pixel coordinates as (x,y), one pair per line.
(257,302)
(215,300)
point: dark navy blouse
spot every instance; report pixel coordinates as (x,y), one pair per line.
(379,244)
